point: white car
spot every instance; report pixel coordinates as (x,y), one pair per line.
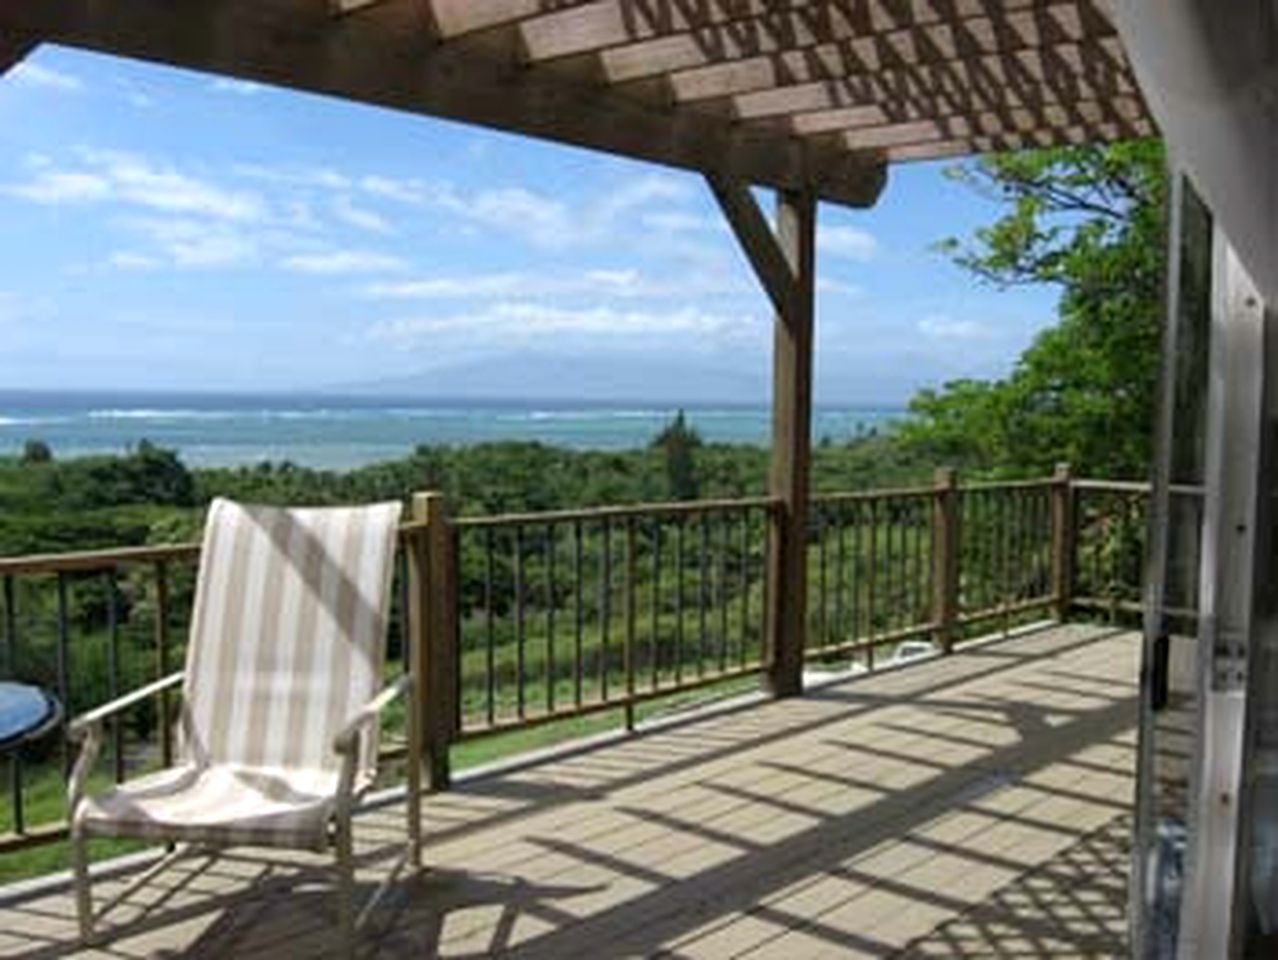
(913,650)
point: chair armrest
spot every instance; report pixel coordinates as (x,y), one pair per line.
(93,718)
(345,742)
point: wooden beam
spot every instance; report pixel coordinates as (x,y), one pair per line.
(757,240)
(1005,142)
(630,47)
(966,40)
(791,447)
(1041,122)
(385,55)
(785,263)
(1028,78)
(1120,110)
(13,48)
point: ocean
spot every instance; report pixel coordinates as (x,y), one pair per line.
(335,432)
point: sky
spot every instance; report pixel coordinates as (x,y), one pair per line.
(167,230)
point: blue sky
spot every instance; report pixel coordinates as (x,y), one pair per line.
(167,230)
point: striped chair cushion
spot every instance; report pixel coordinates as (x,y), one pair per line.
(287,634)
(222,805)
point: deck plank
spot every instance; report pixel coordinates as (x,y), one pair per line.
(965,806)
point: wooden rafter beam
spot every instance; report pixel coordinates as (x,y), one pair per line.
(1128,112)
(387,55)
(935,149)
(629,51)
(1039,77)
(1046,124)
(897,50)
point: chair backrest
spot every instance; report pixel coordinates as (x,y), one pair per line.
(288,632)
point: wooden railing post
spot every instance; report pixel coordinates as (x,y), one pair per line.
(1063,537)
(945,557)
(433,634)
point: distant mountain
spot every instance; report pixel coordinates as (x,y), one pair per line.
(614,378)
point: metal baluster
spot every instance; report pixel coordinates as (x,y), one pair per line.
(63,681)
(723,593)
(840,573)
(916,601)
(11,670)
(490,631)
(578,623)
(889,558)
(744,587)
(855,605)
(1004,529)
(454,548)
(679,589)
(631,613)
(823,585)
(550,618)
(605,607)
(520,637)
(702,591)
(162,657)
(656,603)
(113,672)
(872,579)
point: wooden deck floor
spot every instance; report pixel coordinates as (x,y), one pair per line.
(973,806)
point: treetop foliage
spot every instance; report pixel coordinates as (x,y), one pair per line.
(1089,220)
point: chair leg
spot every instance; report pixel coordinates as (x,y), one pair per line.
(83,894)
(345,886)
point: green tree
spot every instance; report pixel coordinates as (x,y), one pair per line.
(680,442)
(35,452)
(1088,220)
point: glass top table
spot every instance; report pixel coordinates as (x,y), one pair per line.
(26,712)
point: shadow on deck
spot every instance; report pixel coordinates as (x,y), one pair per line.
(974,805)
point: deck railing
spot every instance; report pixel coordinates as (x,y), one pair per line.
(524,619)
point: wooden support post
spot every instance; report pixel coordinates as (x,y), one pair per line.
(785,263)
(1063,541)
(433,634)
(945,558)
(791,445)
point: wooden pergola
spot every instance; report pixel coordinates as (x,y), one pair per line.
(814,98)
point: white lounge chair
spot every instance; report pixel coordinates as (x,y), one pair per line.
(280,706)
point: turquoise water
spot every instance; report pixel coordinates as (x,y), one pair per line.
(342,432)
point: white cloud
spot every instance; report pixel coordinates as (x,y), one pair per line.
(678,221)
(62,186)
(243,88)
(161,187)
(410,191)
(848,243)
(520,321)
(132,260)
(33,74)
(132,180)
(299,177)
(447,288)
(830,285)
(361,217)
(940,326)
(198,243)
(544,221)
(343,261)
(600,282)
